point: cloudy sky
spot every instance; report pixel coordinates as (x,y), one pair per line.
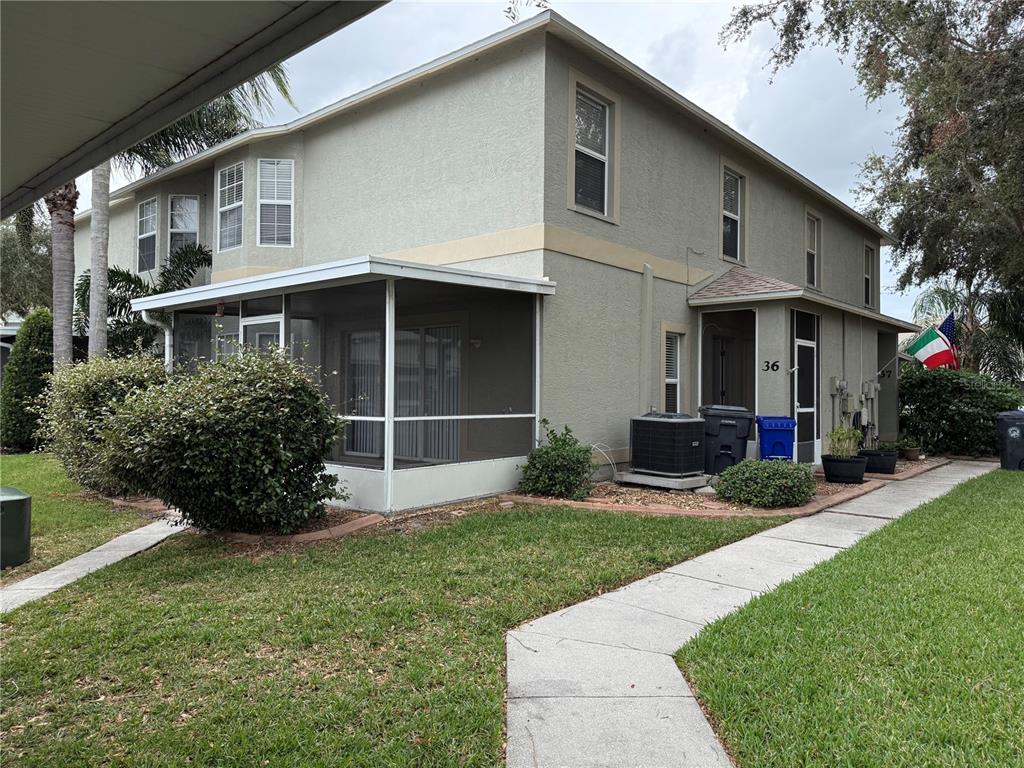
(812,116)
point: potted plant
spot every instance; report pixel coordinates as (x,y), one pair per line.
(882,459)
(910,448)
(843,465)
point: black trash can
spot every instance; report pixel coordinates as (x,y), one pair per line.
(15,527)
(726,431)
(1010,426)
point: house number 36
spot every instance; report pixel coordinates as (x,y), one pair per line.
(771,365)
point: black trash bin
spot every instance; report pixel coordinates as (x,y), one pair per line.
(1010,426)
(15,527)
(726,431)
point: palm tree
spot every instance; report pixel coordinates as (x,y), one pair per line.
(239,110)
(61,205)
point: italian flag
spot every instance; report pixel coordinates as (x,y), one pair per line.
(933,349)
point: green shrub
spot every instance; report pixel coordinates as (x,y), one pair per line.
(79,401)
(843,441)
(767,484)
(237,445)
(24,380)
(562,467)
(953,411)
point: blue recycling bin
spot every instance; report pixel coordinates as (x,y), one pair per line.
(775,436)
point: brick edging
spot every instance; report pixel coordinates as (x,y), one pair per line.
(665,510)
(334,532)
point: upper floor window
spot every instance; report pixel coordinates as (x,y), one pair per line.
(813,248)
(229,207)
(869,269)
(148,214)
(275,204)
(673,345)
(732,211)
(183,227)
(591,177)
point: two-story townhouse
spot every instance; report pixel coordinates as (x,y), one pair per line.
(528,227)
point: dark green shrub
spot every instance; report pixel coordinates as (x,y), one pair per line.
(953,411)
(767,484)
(25,375)
(562,467)
(237,445)
(79,401)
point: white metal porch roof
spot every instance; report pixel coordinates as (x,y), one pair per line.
(333,273)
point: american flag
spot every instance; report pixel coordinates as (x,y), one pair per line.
(948,329)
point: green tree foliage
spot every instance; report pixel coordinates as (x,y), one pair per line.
(953,411)
(768,484)
(24,380)
(952,192)
(25,278)
(79,401)
(562,467)
(127,332)
(238,445)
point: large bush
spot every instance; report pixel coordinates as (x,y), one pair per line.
(562,467)
(767,484)
(953,411)
(24,380)
(80,399)
(237,445)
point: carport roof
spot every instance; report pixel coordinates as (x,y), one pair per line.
(740,285)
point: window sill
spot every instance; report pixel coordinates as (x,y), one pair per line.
(594,214)
(731,260)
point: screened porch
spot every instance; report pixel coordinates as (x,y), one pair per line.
(436,378)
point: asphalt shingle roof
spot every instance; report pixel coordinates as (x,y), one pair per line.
(740,281)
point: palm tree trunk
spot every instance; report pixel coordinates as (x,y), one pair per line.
(99,237)
(61,204)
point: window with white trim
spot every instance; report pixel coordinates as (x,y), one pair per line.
(732,208)
(183,224)
(148,215)
(813,247)
(275,182)
(591,172)
(869,269)
(673,360)
(229,207)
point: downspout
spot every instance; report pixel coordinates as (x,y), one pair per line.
(168,338)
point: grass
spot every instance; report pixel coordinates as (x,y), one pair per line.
(907,650)
(65,521)
(380,650)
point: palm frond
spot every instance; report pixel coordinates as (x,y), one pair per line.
(182,266)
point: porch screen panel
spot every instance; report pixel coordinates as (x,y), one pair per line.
(442,379)
(408,392)
(365,391)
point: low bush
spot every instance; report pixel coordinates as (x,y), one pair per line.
(79,401)
(237,445)
(24,380)
(767,484)
(952,411)
(562,467)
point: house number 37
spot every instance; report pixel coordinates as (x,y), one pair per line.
(771,365)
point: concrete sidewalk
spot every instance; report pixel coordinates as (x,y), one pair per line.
(596,684)
(118,548)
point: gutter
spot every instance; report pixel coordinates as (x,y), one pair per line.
(168,338)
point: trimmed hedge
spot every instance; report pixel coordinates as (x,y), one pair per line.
(24,381)
(237,445)
(952,411)
(768,484)
(561,468)
(79,401)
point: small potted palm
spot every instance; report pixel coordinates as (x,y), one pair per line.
(881,460)
(842,464)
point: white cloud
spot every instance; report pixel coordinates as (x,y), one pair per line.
(812,117)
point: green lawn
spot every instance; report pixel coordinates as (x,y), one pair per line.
(907,650)
(385,649)
(65,522)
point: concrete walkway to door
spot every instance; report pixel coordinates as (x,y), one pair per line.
(596,684)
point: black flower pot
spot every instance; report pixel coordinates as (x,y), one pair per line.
(881,462)
(842,470)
